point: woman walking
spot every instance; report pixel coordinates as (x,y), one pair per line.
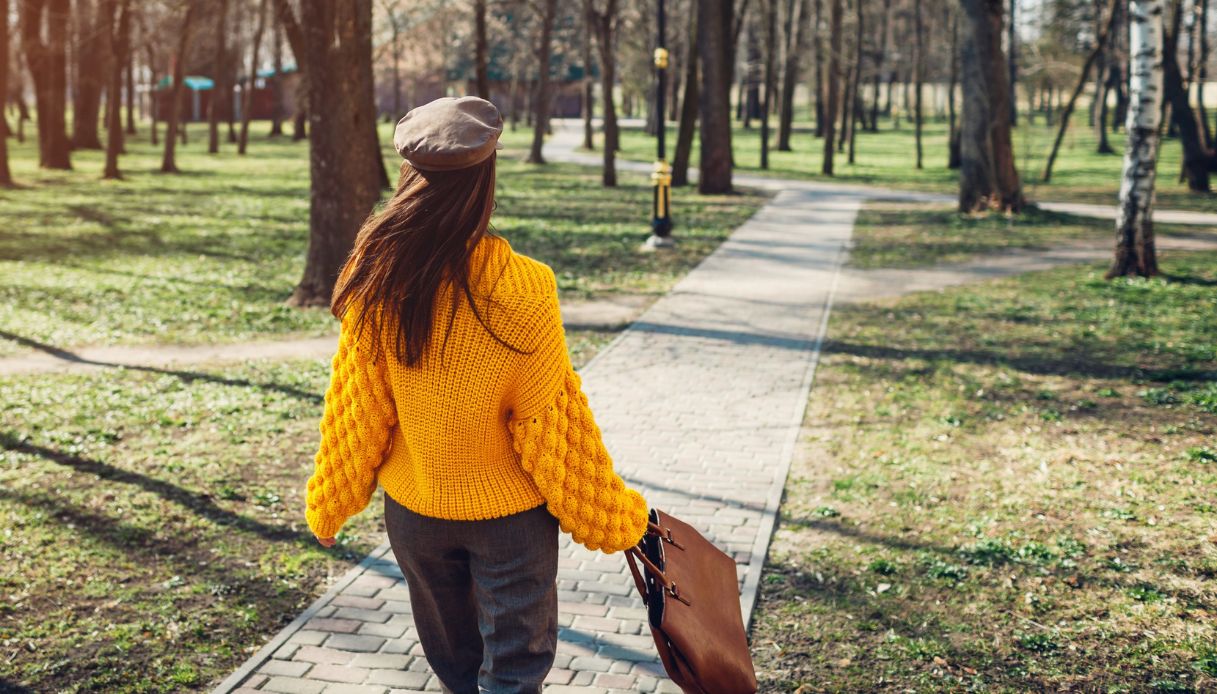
(452,389)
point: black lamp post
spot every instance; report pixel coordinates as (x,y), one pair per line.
(661,219)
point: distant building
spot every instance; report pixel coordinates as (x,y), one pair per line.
(200,90)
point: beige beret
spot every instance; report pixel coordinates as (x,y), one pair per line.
(449,133)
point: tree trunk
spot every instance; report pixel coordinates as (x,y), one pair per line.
(276,81)
(606,25)
(688,108)
(851,107)
(544,90)
(881,63)
(1134,252)
(169,162)
(130,75)
(818,56)
(751,104)
(770,10)
(589,83)
(219,62)
(251,81)
(918,70)
(120,45)
(336,52)
(833,86)
(1196,155)
(47,62)
(6,176)
(91,74)
(790,74)
(1100,46)
(714,37)
(953,156)
(1012,42)
(479,67)
(153,109)
(1203,74)
(987,175)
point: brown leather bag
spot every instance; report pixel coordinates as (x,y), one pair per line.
(692,598)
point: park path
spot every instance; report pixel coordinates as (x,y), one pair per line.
(700,401)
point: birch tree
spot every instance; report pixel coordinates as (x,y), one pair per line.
(1135,253)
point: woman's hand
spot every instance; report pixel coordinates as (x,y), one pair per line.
(326,541)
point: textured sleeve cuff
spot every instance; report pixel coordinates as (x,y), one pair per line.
(561,448)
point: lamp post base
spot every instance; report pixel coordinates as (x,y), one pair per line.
(656,242)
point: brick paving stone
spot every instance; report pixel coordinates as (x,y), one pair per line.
(314,654)
(355,643)
(400,678)
(335,626)
(293,685)
(339,673)
(344,688)
(285,668)
(699,402)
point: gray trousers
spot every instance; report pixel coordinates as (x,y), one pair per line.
(484,596)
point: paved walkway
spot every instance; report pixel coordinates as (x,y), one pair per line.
(700,401)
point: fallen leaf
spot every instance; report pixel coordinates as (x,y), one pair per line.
(940,661)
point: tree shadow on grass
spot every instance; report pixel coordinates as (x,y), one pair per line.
(199,503)
(1044,365)
(186,376)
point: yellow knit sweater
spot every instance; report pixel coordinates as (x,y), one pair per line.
(475,430)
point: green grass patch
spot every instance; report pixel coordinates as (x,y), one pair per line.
(886,158)
(154,521)
(212,254)
(1016,551)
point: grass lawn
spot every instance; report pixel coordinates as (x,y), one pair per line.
(210,255)
(887,159)
(1011,492)
(153,518)
(893,234)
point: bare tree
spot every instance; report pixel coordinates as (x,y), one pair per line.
(881,62)
(169,161)
(832,98)
(589,83)
(987,175)
(688,107)
(130,76)
(1100,46)
(219,68)
(798,17)
(918,70)
(90,51)
(333,44)
(769,11)
(953,155)
(543,95)
(717,57)
(479,22)
(47,63)
(605,25)
(1135,253)
(251,80)
(6,176)
(1197,158)
(849,125)
(119,41)
(276,80)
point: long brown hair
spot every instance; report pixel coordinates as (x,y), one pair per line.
(416,247)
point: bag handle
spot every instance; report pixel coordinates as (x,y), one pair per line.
(668,584)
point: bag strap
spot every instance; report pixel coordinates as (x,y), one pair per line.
(638,582)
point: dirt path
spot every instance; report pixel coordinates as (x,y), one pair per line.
(612,312)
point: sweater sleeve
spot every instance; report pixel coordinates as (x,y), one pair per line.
(355,432)
(560,447)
